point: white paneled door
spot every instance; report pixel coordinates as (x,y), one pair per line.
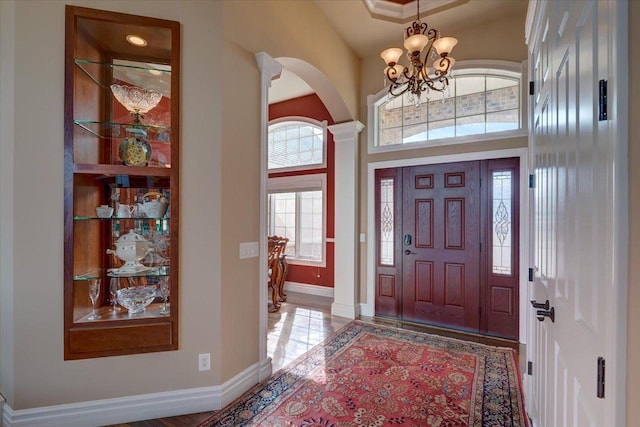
(573,153)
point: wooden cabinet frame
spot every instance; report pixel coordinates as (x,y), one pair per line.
(94,40)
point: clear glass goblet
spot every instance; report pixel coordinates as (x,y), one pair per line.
(94,293)
(114,285)
(164,293)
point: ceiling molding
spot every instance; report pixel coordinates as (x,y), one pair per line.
(389,10)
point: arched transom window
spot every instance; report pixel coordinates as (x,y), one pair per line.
(296,144)
(478,101)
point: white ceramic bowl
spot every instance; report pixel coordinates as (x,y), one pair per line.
(104,211)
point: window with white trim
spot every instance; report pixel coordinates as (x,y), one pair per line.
(478,101)
(297,210)
(296,143)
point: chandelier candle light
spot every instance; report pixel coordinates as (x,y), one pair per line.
(419,77)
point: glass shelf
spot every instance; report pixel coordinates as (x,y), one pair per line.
(112,130)
(152,311)
(101,273)
(134,70)
(92,218)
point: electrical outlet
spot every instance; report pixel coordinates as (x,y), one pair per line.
(204,362)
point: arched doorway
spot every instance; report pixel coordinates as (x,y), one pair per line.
(345,133)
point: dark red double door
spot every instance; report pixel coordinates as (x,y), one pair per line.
(447,265)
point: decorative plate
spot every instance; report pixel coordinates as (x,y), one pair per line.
(134,151)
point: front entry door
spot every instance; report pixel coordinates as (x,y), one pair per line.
(441,245)
(447,247)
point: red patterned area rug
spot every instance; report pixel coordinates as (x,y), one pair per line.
(370,375)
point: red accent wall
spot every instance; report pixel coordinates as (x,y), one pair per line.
(311,106)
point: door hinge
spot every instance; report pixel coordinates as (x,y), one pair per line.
(531,88)
(600,391)
(529,368)
(602,100)
(480,246)
(531,274)
(532,181)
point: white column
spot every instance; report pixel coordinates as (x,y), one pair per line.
(345,137)
(270,69)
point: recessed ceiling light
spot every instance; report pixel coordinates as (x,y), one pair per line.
(155,72)
(136,40)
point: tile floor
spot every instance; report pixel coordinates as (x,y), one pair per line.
(302,322)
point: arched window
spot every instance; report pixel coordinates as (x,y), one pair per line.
(297,202)
(296,143)
(479,101)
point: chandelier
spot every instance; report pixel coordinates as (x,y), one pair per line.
(419,76)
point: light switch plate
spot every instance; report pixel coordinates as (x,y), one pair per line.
(249,250)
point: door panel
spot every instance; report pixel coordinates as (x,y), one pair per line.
(572,215)
(441,268)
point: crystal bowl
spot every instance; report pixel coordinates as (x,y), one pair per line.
(136,299)
(136,99)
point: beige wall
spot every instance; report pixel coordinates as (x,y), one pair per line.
(298,29)
(219,192)
(36,374)
(240,210)
(496,40)
(633,324)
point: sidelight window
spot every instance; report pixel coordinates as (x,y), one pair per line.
(386,222)
(502,221)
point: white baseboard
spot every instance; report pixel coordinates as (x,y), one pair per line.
(303,288)
(366,310)
(136,408)
(118,410)
(265,369)
(344,310)
(242,382)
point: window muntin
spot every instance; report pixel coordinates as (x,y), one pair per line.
(474,104)
(296,144)
(297,210)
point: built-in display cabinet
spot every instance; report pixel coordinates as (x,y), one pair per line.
(121,144)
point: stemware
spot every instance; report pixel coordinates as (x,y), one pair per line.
(164,293)
(114,285)
(94,293)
